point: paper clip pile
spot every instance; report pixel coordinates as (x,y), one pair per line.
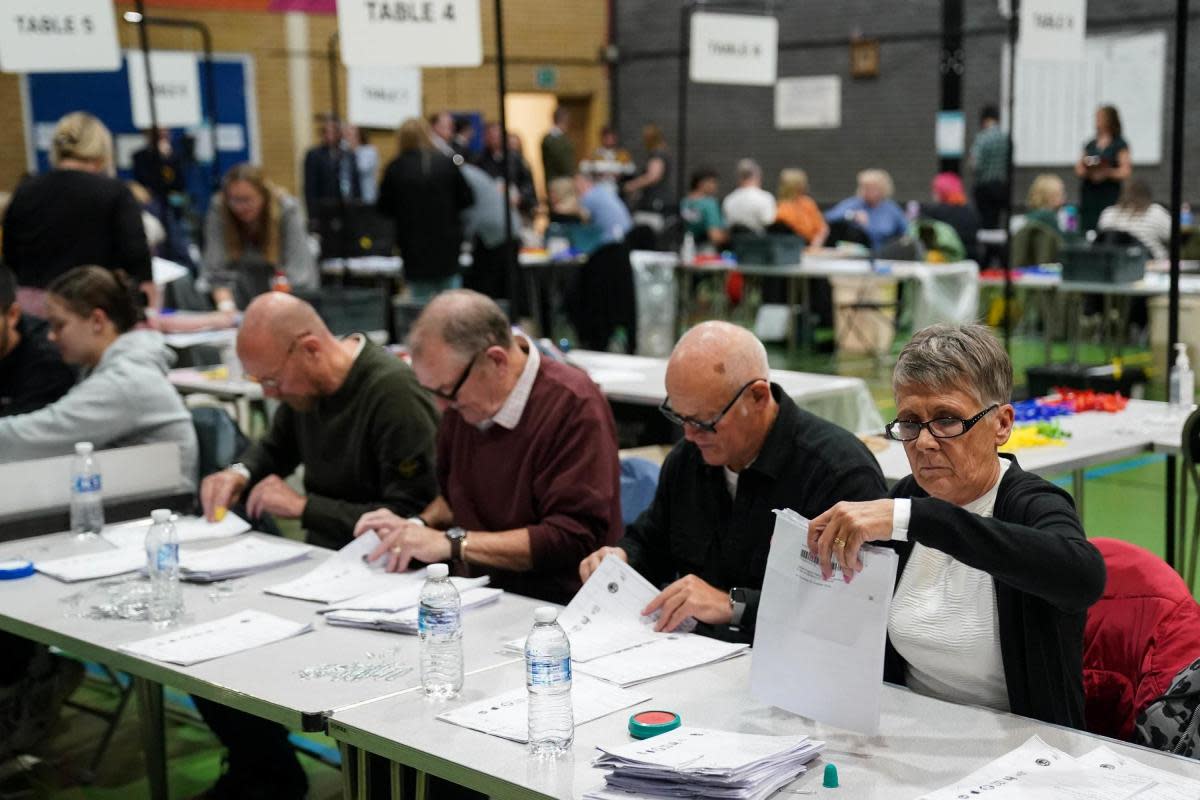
(381,666)
(125,598)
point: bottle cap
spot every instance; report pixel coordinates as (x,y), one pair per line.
(645,724)
(15,568)
(83,448)
(438,571)
(545,614)
(1181,354)
(161,515)
(831,777)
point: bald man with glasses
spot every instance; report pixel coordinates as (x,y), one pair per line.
(352,414)
(747,450)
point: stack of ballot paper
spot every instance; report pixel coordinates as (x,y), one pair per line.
(698,762)
(1038,771)
(405,620)
(611,640)
(245,556)
(89,566)
(507,715)
(343,575)
(244,630)
(189,529)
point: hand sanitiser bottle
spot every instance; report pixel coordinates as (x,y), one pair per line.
(1183,380)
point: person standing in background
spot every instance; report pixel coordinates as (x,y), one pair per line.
(652,191)
(558,153)
(1105,163)
(366,161)
(989,162)
(329,171)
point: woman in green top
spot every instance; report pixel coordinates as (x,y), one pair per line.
(1104,165)
(701,212)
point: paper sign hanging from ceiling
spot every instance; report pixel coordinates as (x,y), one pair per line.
(420,33)
(176,89)
(734,48)
(1052,30)
(58,36)
(383,97)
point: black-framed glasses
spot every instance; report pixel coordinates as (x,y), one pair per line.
(272,383)
(707,426)
(452,395)
(940,428)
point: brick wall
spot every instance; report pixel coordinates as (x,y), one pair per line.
(567,34)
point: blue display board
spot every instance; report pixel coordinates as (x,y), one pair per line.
(106,94)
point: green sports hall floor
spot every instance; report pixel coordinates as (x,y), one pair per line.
(1124,500)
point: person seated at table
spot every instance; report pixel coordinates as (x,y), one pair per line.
(123,397)
(564,202)
(353,415)
(32,372)
(872,209)
(1136,214)
(526,458)
(749,206)
(1039,239)
(996,574)
(950,206)
(701,212)
(747,450)
(254,232)
(797,210)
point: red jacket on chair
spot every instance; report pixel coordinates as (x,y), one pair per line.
(1143,630)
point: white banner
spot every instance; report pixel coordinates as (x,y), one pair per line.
(58,36)
(811,102)
(734,48)
(428,33)
(383,97)
(176,88)
(1052,30)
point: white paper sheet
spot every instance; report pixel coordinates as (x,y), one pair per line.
(188,528)
(1037,771)
(406,620)
(406,593)
(666,654)
(343,575)
(244,556)
(819,644)
(244,630)
(507,715)
(103,564)
(605,615)
(1167,785)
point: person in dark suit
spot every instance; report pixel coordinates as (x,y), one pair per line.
(330,171)
(424,192)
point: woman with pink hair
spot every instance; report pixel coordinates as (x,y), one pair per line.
(950,206)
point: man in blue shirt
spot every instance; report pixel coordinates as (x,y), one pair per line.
(603,208)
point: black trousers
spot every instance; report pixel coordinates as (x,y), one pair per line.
(261,759)
(990,199)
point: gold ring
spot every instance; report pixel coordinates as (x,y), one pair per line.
(839,542)
(397,550)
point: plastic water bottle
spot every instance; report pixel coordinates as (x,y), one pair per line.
(1185,214)
(439,620)
(548,679)
(1182,390)
(162,564)
(687,253)
(87,503)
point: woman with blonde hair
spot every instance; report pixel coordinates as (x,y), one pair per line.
(75,214)
(1046,196)
(254,232)
(425,194)
(796,209)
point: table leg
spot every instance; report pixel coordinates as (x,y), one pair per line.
(1047,314)
(347,753)
(792,301)
(154,735)
(396,776)
(422,785)
(535,301)
(1077,479)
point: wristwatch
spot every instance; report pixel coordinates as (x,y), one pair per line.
(240,469)
(737,606)
(457,537)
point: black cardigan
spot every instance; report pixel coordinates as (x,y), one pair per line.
(1046,574)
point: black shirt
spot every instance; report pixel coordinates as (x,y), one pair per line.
(33,375)
(1046,574)
(694,527)
(68,218)
(424,192)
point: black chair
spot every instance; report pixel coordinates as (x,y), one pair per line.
(1188,537)
(844,230)
(600,299)
(350,309)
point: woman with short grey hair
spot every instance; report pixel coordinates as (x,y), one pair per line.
(996,573)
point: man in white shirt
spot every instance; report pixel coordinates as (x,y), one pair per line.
(749,205)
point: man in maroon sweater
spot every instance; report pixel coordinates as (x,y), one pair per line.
(526,457)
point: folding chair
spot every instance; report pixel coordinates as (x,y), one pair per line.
(1188,537)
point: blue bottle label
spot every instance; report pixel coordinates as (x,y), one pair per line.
(168,556)
(87,483)
(548,671)
(437,621)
